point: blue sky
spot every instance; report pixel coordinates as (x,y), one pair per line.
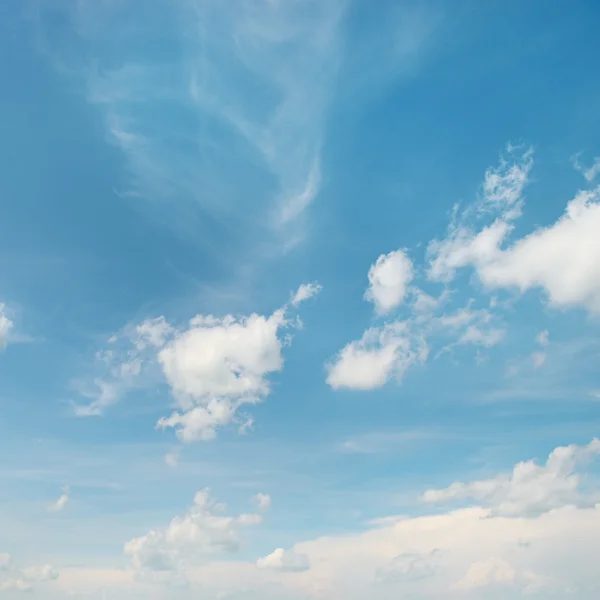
(333,261)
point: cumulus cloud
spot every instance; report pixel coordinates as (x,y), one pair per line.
(529,489)
(389,279)
(381,353)
(263,501)
(202,531)
(305,291)
(560,259)
(284,560)
(549,547)
(388,351)
(217,365)
(61,502)
(212,365)
(5,325)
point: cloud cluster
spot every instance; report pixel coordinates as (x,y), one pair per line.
(560,259)
(213,366)
(534,532)
(202,531)
(530,489)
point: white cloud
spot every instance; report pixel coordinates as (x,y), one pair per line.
(529,488)
(588,172)
(263,501)
(213,366)
(202,531)
(501,201)
(306,291)
(217,365)
(284,560)
(560,258)
(381,353)
(389,279)
(5,326)
(553,550)
(61,502)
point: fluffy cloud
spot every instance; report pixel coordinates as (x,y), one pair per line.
(530,488)
(560,259)
(306,291)
(216,366)
(284,560)
(213,366)
(549,546)
(389,279)
(389,351)
(202,531)
(381,353)
(61,502)
(5,325)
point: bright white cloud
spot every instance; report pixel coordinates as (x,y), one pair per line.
(217,365)
(202,531)
(560,259)
(389,279)
(381,353)
(61,502)
(263,501)
(284,560)
(529,488)
(5,326)
(305,291)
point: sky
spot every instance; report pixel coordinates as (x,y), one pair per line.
(299,299)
